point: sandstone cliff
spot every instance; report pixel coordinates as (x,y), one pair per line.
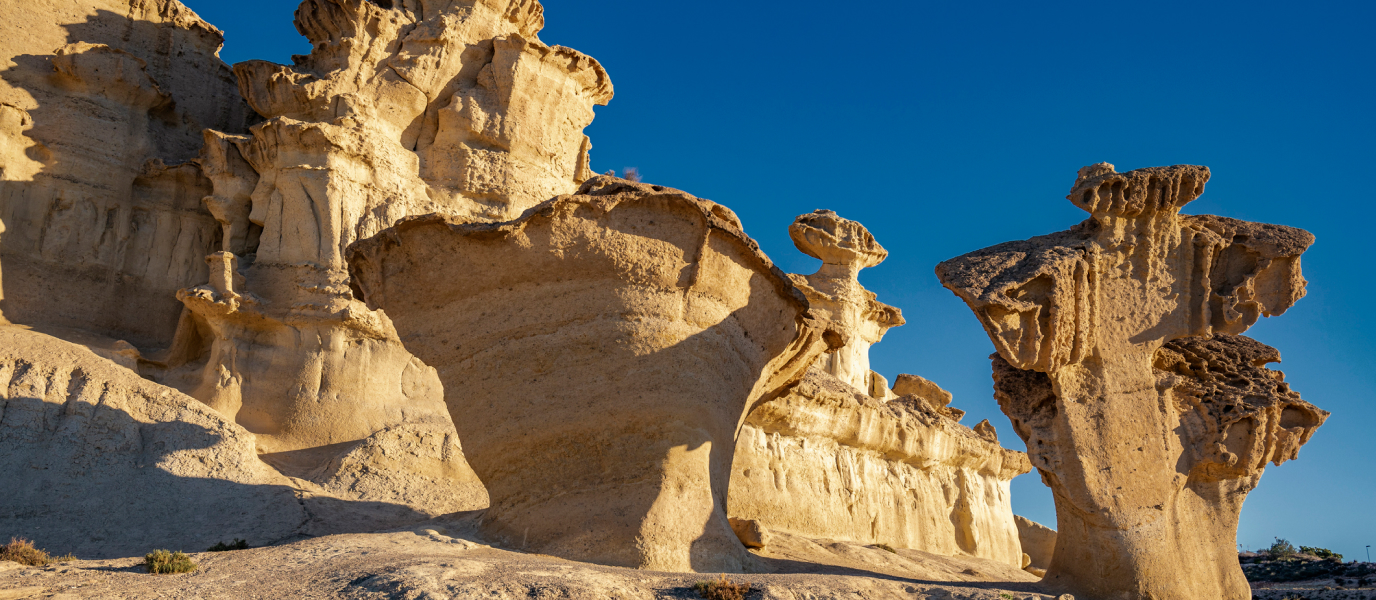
(167,269)
(401,108)
(102,103)
(826,461)
(1149,440)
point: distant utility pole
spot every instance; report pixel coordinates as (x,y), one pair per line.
(1368,553)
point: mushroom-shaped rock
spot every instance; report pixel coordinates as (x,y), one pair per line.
(1079,318)
(834,292)
(598,356)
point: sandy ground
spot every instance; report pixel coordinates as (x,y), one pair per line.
(444,559)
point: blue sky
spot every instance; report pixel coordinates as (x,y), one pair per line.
(947,127)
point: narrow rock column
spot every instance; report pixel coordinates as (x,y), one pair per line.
(834,292)
(1079,319)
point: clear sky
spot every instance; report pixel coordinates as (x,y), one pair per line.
(948,127)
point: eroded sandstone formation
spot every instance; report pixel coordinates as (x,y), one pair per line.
(598,356)
(142,217)
(826,461)
(1117,365)
(100,462)
(102,102)
(834,458)
(834,292)
(1038,542)
(401,108)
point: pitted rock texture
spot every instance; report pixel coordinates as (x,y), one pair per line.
(1079,318)
(598,357)
(828,461)
(102,103)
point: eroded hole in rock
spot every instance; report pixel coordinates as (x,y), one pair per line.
(1293,417)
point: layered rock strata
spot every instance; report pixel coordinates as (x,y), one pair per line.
(102,103)
(827,461)
(401,108)
(834,458)
(598,357)
(1148,440)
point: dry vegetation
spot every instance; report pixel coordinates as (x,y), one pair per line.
(23,552)
(162,562)
(722,589)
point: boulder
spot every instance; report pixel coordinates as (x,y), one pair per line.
(1147,485)
(598,356)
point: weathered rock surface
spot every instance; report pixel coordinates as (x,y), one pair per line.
(417,465)
(834,293)
(827,461)
(102,102)
(598,356)
(835,458)
(101,462)
(1147,482)
(1038,541)
(401,109)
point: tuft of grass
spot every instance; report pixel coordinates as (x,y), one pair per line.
(223,547)
(23,552)
(886,547)
(162,562)
(721,589)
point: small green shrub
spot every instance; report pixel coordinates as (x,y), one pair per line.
(886,547)
(721,589)
(22,551)
(163,562)
(223,547)
(1281,549)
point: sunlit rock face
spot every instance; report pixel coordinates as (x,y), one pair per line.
(841,456)
(401,108)
(102,103)
(1120,365)
(827,461)
(598,356)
